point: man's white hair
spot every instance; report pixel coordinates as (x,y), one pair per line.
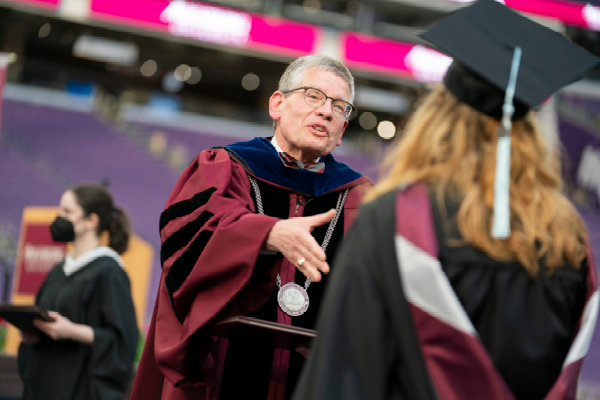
(294,73)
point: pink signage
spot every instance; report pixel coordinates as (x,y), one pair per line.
(396,58)
(570,13)
(212,24)
(565,11)
(38,254)
(39,3)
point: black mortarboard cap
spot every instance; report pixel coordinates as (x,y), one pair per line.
(482,37)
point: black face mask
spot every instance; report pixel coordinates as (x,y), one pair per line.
(62,230)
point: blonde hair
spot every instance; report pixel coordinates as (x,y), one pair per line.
(452,147)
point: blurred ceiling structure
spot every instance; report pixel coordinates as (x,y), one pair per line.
(224,44)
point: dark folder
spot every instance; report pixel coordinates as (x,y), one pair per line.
(22,316)
(279,335)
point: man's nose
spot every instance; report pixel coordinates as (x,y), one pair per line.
(325,110)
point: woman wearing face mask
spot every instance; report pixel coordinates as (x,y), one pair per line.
(88,350)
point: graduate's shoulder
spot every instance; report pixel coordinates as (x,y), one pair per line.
(108,267)
(56,271)
(384,206)
(380,208)
(375,220)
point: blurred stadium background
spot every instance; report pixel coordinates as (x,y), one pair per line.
(127,92)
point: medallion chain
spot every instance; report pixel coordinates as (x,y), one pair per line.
(338,210)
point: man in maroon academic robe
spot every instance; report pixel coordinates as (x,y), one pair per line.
(222,257)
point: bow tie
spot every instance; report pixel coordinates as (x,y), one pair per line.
(291,162)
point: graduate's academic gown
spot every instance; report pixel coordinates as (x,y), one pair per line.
(213,268)
(409,316)
(97,295)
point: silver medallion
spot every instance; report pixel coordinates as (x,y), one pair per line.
(293,299)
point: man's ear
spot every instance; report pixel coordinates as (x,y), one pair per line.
(339,142)
(275,104)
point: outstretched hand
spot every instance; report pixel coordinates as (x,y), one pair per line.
(292,238)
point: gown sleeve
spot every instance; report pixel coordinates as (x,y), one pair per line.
(115,336)
(211,241)
(365,348)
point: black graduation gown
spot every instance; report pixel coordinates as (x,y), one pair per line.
(366,346)
(97,295)
(370,345)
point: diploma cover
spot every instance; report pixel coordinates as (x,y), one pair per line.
(22,316)
(279,335)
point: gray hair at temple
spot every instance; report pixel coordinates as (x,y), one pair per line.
(294,73)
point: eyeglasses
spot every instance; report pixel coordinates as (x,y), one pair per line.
(315,98)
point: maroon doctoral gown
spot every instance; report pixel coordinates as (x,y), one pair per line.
(213,268)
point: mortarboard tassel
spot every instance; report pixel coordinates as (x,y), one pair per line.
(501,225)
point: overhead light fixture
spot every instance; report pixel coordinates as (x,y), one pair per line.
(311,6)
(149,68)
(207,23)
(44,30)
(386,129)
(381,100)
(183,73)
(250,82)
(195,76)
(427,65)
(367,121)
(106,50)
(170,83)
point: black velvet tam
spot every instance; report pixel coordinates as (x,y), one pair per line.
(482,37)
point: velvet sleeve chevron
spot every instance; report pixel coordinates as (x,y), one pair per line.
(211,239)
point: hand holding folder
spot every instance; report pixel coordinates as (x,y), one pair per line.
(22,316)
